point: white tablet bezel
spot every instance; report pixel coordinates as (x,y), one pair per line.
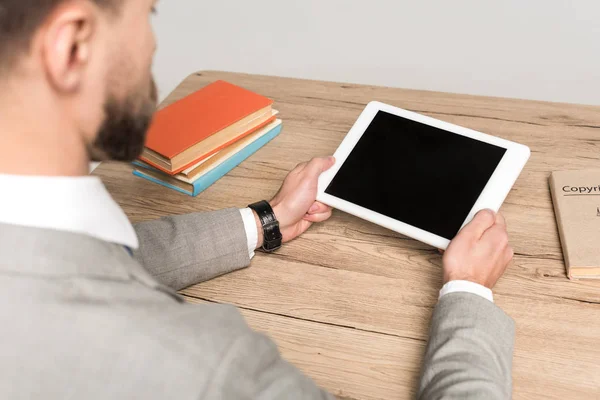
(493,194)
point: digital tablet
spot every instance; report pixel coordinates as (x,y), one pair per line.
(419,176)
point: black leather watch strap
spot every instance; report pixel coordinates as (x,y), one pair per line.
(271,233)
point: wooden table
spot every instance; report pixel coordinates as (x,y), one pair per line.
(350,302)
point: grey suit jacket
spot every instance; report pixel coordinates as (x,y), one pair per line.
(83,319)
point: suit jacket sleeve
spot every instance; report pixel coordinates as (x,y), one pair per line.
(183,250)
(470,349)
(258,371)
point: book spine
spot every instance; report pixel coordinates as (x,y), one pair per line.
(162,183)
(559,222)
(210,178)
(210,153)
(139,164)
(213,176)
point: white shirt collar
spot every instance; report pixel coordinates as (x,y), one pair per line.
(74,204)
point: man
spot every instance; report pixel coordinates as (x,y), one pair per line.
(90,312)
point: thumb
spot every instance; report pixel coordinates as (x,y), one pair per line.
(483,221)
(318,165)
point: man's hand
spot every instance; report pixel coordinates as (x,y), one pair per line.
(295,204)
(480,252)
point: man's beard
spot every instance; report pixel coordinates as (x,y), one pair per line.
(123,132)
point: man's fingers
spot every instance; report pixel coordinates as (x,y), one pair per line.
(300,167)
(500,219)
(318,217)
(318,165)
(482,221)
(318,208)
(496,237)
(509,253)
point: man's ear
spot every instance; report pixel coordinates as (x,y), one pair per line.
(66,44)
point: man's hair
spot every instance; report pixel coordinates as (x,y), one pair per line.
(19,19)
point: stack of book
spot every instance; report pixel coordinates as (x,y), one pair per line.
(194,142)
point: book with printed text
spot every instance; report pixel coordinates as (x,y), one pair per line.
(576,198)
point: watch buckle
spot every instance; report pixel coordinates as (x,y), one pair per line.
(271,245)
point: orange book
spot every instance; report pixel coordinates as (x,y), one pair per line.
(201,124)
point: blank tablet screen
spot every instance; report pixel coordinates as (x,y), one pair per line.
(417,174)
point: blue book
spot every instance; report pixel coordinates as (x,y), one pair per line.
(206,180)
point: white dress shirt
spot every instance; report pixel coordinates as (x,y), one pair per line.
(83,205)
(74,204)
(251,229)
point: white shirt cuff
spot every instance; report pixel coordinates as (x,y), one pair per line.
(251,230)
(468,287)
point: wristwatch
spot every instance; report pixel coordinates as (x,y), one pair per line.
(271,233)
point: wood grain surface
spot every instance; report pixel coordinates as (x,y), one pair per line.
(349,302)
